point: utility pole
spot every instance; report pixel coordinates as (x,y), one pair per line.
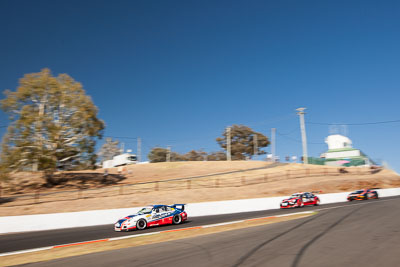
(228,144)
(168,153)
(139,149)
(303,134)
(255,144)
(122,147)
(273,132)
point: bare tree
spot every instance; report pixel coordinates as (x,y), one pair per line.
(109,149)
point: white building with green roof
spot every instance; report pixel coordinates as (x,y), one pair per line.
(341,153)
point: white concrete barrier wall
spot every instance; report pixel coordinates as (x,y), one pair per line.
(39,222)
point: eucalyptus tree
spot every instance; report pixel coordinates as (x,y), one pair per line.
(245,142)
(53,123)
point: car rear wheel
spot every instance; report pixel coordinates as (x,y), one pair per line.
(317,202)
(376,195)
(177,219)
(141,224)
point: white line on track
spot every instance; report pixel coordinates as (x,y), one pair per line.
(357,204)
(224,223)
(294,213)
(203,226)
(24,251)
(131,236)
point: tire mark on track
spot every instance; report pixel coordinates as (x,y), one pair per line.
(309,243)
(205,250)
(254,250)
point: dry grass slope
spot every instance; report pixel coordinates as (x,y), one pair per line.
(217,181)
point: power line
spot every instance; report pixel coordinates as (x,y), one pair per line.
(297,140)
(364,123)
(121,137)
(269,120)
(290,132)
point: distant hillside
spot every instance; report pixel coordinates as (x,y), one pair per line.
(181,182)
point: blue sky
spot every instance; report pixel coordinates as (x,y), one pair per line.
(178,72)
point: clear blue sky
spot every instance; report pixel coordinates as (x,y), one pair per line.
(178,72)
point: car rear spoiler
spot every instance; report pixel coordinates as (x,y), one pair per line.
(179,206)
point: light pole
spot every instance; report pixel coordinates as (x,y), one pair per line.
(139,149)
(303,134)
(273,143)
(255,145)
(168,153)
(228,144)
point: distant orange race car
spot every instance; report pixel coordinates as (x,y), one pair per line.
(362,194)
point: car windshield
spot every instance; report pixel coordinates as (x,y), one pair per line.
(296,195)
(358,192)
(144,210)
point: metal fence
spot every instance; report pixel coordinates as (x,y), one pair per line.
(222,180)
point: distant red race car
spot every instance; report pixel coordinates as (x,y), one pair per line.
(299,200)
(363,194)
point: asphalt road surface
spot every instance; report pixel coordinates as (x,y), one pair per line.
(30,240)
(364,233)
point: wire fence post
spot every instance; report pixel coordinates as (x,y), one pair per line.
(216,182)
(121,189)
(307,171)
(265,178)
(80,193)
(156,187)
(325,171)
(287,174)
(189,184)
(37,195)
(243,180)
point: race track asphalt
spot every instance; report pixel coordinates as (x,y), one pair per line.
(29,240)
(364,233)
(37,239)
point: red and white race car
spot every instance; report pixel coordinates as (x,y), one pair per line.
(152,216)
(298,200)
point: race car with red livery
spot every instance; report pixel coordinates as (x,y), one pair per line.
(363,194)
(299,200)
(152,216)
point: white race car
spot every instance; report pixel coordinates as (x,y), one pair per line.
(152,216)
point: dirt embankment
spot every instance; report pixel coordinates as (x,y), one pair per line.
(29,182)
(217,181)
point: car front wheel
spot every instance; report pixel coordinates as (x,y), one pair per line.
(141,224)
(300,204)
